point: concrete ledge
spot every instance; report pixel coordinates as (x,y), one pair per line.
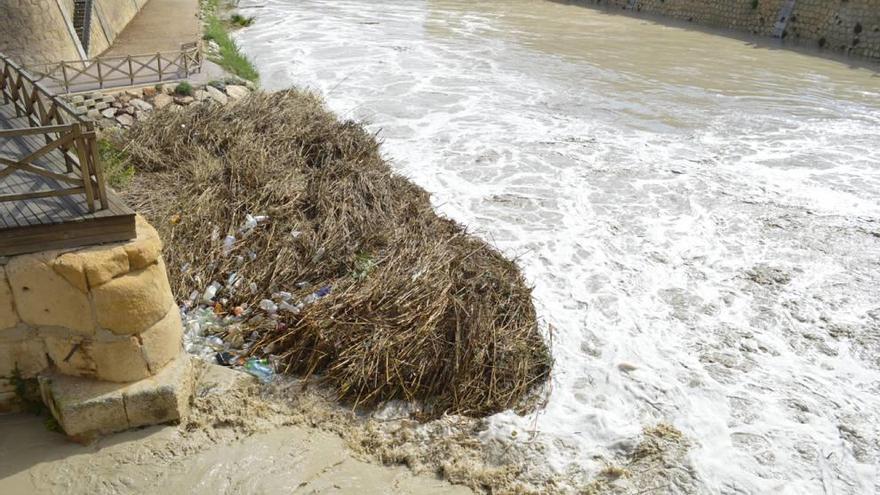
(86,408)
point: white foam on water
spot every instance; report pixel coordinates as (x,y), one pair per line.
(704,211)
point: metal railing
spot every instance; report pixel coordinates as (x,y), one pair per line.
(78,76)
(69,156)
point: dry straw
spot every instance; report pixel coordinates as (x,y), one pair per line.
(419,309)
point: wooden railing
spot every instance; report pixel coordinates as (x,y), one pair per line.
(69,156)
(115,72)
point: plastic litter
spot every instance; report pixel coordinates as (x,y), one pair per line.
(251,222)
(318,294)
(268,306)
(228,243)
(283,295)
(215,342)
(260,368)
(224,358)
(290,308)
(211,292)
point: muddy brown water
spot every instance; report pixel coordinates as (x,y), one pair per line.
(699,214)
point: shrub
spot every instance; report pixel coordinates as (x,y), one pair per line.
(184,89)
(118,172)
(240,20)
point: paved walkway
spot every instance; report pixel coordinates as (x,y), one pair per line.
(162,25)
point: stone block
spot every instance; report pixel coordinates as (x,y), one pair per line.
(71,355)
(201,95)
(145,249)
(27,356)
(96,266)
(133,302)
(86,408)
(8,316)
(217,95)
(125,119)
(119,361)
(45,298)
(163,341)
(162,101)
(83,407)
(237,92)
(162,398)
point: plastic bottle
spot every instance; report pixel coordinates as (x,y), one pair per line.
(260,368)
(268,306)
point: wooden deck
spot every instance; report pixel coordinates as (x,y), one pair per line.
(38,223)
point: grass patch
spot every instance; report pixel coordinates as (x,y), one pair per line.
(118,172)
(239,20)
(27,391)
(228,55)
(410,305)
(184,89)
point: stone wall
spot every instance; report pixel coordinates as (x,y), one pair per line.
(847,26)
(41,31)
(104,313)
(37,31)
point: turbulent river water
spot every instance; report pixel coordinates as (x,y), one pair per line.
(699,215)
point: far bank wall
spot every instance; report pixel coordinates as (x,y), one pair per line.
(847,26)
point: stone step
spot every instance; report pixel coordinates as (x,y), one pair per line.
(86,408)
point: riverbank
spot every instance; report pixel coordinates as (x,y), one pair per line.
(233,442)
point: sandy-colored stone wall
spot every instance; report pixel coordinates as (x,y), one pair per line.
(36,31)
(104,313)
(41,31)
(848,26)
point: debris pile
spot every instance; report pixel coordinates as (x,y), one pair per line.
(291,240)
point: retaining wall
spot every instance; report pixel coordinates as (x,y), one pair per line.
(109,18)
(847,26)
(41,31)
(37,31)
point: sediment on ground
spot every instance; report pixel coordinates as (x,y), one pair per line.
(288,220)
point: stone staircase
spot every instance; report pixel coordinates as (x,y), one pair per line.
(82,21)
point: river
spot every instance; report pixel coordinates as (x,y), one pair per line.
(699,215)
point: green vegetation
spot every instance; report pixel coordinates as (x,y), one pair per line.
(118,172)
(28,392)
(228,54)
(363,265)
(184,89)
(755,4)
(240,20)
